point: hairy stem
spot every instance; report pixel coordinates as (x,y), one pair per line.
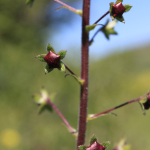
(102,17)
(109,110)
(61,116)
(84,75)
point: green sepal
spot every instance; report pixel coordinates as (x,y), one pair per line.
(118,1)
(62,54)
(62,68)
(29,2)
(80,81)
(52,96)
(128,7)
(40,57)
(90,27)
(36,97)
(50,48)
(120,19)
(83,147)
(47,70)
(77,11)
(93,139)
(106,144)
(122,145)
(44,106)
(143,109)
(108,29)
(111,14)
(143,100)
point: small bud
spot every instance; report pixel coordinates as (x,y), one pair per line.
(95,146)
(118,9)
(147,103)
(53,60)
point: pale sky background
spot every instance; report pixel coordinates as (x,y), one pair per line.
(134,33)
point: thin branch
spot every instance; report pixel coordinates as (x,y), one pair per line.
(69,70)
(102,17)
(69,7)
(129,102)
(61,116)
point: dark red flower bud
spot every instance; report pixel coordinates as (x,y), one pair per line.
(53,60)
(95,146)
(118,9)
(147,103)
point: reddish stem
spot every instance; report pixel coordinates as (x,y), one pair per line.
(102,17)
(129,102)
(84,75)
(60,114)
(69,7)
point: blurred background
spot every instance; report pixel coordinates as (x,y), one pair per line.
(119,72)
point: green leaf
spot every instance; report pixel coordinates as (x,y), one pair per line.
(106,144)
(128,7)
(90,27)
(62,54)
(40,57)
(80,81)
(63,68)
(76,11)
(118,1)
(93,139)
(50,48)
(82,147)
(120,19)
(110,9)
(47,70)
(29,2)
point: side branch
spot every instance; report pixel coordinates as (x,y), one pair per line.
(102,17)
(129,102)
(48,101)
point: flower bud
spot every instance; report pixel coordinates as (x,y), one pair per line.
(95,146)
(53,60)
(118,9)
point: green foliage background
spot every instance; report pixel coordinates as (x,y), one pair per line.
(113,80)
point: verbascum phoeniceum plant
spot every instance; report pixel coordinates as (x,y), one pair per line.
(54,60)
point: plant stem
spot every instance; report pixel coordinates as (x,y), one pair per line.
(84,75)
(109,110)
(102,17)
(69,70)
(69,7)
(61,116)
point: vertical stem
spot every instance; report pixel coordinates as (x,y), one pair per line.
(84,74)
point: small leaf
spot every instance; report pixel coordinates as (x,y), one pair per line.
(29,2)
(118,1)
(82,147)
(50,48)
(62,54)
(120,19)
(90,27)
(81,82)
(128,7)
(77,11)
(40,57)
(62,68)
(111,14)
(93,139)
(47,70)
(106,144)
